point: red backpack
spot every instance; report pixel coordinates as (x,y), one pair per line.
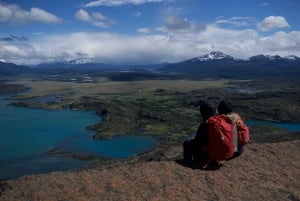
(226,134)
(221,134)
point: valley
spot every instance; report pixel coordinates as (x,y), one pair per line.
(161,101)
(160,108)
(168,108)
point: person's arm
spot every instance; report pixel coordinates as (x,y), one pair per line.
(238,119)
(202,134)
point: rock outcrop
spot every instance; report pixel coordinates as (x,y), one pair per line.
(265,171)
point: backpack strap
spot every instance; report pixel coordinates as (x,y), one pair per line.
(235,133)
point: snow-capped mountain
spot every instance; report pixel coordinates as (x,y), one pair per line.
(83,61)
(213,56)
(274,58)
(82,65)
(218,64)
(291,57)
(213,64)
(89,62)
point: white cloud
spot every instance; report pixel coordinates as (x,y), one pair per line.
(265,4)
(5,13)
(120,2)
(144,30)
(83,15)
(177,24)
(282,42)
(96,19)
(150,48)
(13,13)
(37,14)
(236,21)
(272,22)
(138,14)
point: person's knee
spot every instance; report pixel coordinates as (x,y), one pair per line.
(239,152)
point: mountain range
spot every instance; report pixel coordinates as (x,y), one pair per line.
(214,64)
(8,69)
(218,64)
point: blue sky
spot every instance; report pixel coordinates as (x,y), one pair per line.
(146,31)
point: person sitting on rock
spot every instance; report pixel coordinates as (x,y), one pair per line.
(225,107)
(196,148)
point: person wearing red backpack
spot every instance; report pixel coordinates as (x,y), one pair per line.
(225,108)
(227,135)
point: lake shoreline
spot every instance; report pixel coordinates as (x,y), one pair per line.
(116,110)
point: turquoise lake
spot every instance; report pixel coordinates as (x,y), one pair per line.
(26,135)
(290,127)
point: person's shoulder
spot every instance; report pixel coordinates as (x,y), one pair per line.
(236,115)
(239,120)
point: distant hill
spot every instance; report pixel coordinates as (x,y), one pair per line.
(9,69)
(218,64)
(213,65)
(78,66)
(89,66)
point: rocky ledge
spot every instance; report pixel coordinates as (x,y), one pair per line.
(265,171)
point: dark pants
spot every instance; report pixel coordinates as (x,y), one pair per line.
(238,153)
(193,151)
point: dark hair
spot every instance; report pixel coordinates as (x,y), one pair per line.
(224,107)
(206,110)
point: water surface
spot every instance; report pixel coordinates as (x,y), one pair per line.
(292,127)
(27,135)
